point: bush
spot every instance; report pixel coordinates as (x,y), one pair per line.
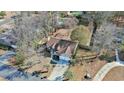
(107,57)
(3,47)
(122,47)
(68,75)
(62,15)
(46,65)
(73,62)
(82,20)
(19,58)
(2,14)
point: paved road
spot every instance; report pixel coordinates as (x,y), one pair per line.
(58,71)
(106,68)
(11,73)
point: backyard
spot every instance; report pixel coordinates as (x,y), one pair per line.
(82,34)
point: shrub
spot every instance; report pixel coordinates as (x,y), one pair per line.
(46,65)
(122,47)
(19,58)
(73,62)
(68,75)
(2,13)
(107,57)
(3,47)
(63,14)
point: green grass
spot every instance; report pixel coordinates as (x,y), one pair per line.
(81,34)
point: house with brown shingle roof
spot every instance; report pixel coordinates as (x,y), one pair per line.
(61,50)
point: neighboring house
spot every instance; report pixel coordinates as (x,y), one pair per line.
(8,40)
(61,50)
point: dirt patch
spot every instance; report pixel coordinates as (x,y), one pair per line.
(82,52)
(92,68)
(39,66)
(63,34)
(115,74)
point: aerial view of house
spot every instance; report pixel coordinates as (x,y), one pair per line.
(61,45)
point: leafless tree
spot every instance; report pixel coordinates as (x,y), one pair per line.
(104,37)
(24,31)
(30,28)
(47,22)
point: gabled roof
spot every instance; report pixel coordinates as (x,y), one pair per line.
(62,46)
(7,39)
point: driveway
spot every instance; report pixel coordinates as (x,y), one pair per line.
(106,68)
(58,71)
